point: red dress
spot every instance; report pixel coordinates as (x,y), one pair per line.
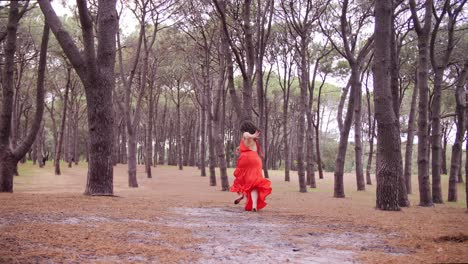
(248,176)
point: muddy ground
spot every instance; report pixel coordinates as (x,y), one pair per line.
(176,217)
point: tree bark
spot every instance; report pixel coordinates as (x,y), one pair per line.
(40,144)
(304,82)
(96,71)
(439,64)
(371,122)
(218,128)
(344,94)
(58,148)
(388,134)
(342,146)
(179,130)
(395,89)
(317,131)
(149,134)
(361,186)
(460,135)
(409,140)
(423,33)
(9,158)
(444,149)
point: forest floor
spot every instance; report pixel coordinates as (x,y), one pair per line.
(176,217)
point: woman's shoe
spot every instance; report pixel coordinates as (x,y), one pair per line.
(254,210)
(236,201)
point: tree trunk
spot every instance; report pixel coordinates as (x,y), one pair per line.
(409,140)
(388,154)
(317,132)
(460,135)
(203,142)
(149,134)
(218,121)
(70,130)
(310,142)
(425,196)
(344,94)
(342,146)
(194,142)
(9,158)
(34,150)
(58,148)
(211,153)
(371,123)
(436,137)
(123,144)
(444,149)
(361,186)
(76,135)
(40,144)
(395,91)
(286,140)
(179,130)
(96,70)
(304,82)
(371,153)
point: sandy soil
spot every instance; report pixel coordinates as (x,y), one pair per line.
(176,217)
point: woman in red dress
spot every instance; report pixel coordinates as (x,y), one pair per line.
(248,175)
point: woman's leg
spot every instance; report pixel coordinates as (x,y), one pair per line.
(254,195)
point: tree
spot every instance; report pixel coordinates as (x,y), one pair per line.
(388,156)
(284,54)
(423,32)
(95,67)
(58,147)
(455,163)
(439,64)
(10,157)
(299,17)
(355,58)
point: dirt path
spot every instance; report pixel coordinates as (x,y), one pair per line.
(177,218)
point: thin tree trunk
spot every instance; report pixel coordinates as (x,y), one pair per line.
(436,138)
(317,132)
(342,146)
(409,140)
(344,94)
(444,149)
(218,128)
(395,90)
(371,122)
(40,144)
(179,130)
(149,134)
(9,158)
(70,130)
(423,33)
(286,139)
(460,135)
(304,82)
(76,134)
(123,144)
(203,141)
(361,186)
(58,148)
(211,153)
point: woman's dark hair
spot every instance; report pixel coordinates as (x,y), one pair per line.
(248,126)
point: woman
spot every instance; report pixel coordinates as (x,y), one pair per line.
(249,180)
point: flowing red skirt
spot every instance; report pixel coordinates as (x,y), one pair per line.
(248,177)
